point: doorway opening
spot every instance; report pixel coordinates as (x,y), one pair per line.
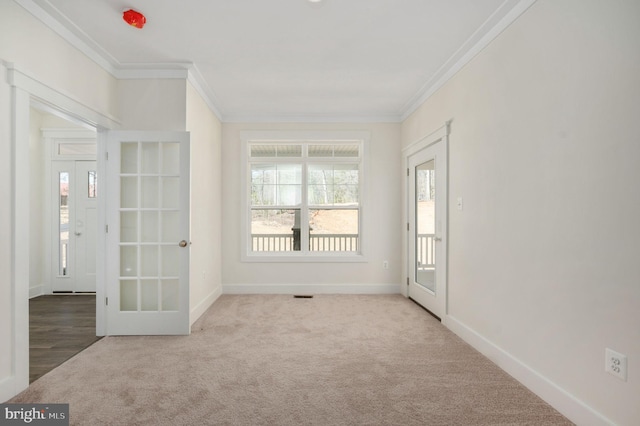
(63,194)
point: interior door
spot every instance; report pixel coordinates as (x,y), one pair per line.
(74,193)
(147,238)
(428,227)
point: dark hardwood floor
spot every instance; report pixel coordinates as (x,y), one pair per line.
(60,326)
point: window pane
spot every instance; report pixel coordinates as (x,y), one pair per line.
(333,184)
(273,184)
(275,230)
(340,150)
(333,230)
(283,151)
(77,149)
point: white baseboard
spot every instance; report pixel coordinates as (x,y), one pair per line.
(567,404)
(308,289)
(9,388)
(204,304)
(36,291)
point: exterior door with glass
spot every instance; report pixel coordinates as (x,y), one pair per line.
(75,195)
(427,227)
(147,284)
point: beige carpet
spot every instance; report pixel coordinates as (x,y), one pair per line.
(276,360)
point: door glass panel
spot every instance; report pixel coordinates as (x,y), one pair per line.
(149,227)
(129,192)
(170,226)
(170,157)
(92,184)
(128,295)
(150,158)
(149,192)
(129,157)
(425,225)
(63,230)
(128,261)
(149,261)
(170,192)
(170,264)
(149,295)
(170,295)
(128,227)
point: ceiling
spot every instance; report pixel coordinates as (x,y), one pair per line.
(290,60)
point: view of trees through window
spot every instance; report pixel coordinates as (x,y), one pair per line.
(323,190)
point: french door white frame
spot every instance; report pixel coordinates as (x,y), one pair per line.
(441,135)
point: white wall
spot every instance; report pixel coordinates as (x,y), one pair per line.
(382,222)
(38,51)
(206,200)
(543,266)
(152,104)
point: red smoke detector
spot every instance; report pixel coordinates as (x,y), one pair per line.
(133,18)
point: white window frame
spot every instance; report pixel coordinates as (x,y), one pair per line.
(304,137)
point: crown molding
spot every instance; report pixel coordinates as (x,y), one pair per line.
(57,22)
(198,82)
(311,118)
(504,16)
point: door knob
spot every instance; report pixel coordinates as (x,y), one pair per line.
(182,243)
(437,239)
(78,234)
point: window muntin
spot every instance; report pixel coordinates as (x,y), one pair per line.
(305,198)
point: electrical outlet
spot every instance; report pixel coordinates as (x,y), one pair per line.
(385,264)
(615,364)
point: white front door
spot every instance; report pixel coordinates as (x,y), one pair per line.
(147,283)
(75,194)
(427,194)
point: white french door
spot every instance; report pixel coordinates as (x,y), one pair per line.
(74,192)
(147,283)
(427,198)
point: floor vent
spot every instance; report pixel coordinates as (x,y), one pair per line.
(302,296)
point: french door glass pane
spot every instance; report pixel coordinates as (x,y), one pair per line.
(150,158)
(149,295)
